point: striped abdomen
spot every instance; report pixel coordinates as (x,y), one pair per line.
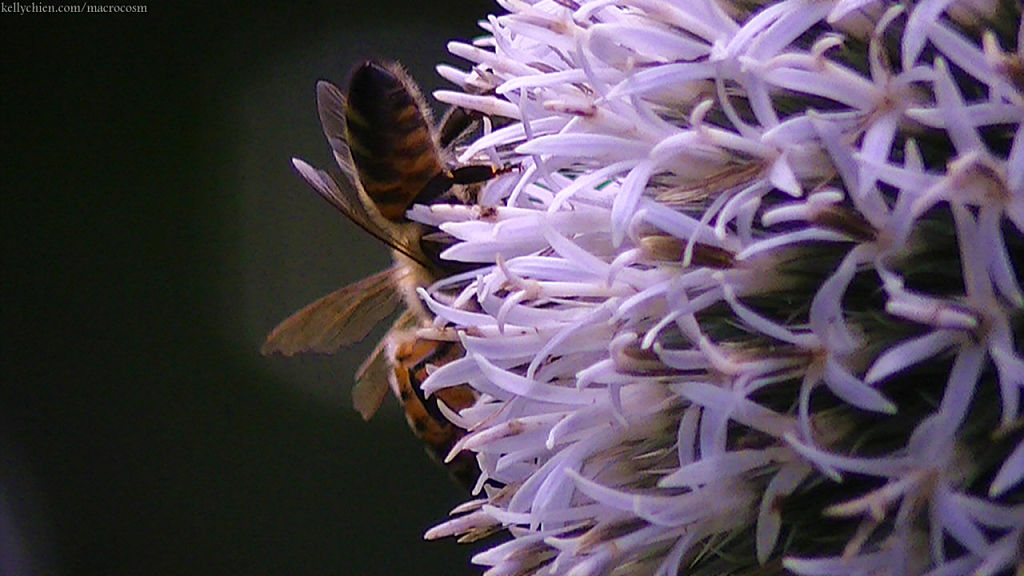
(390,138)
(423,414)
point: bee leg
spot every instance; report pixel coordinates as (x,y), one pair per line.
(456,122)
(476,173)
(463,175)
(435,187)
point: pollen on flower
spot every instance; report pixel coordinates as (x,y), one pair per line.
(751,293)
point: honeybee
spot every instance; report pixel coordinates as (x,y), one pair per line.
(390,156)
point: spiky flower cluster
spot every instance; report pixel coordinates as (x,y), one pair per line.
(753,291)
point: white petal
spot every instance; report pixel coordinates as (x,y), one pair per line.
(1010,473)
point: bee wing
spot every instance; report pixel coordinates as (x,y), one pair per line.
(331,105)
(346,200)
(373,375)
(371,381)
(341,318)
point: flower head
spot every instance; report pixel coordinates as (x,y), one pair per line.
(752,295)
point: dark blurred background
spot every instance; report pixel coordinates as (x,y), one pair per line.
(153,232)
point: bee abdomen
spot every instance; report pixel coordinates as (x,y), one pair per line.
(424,416)
(390,138)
